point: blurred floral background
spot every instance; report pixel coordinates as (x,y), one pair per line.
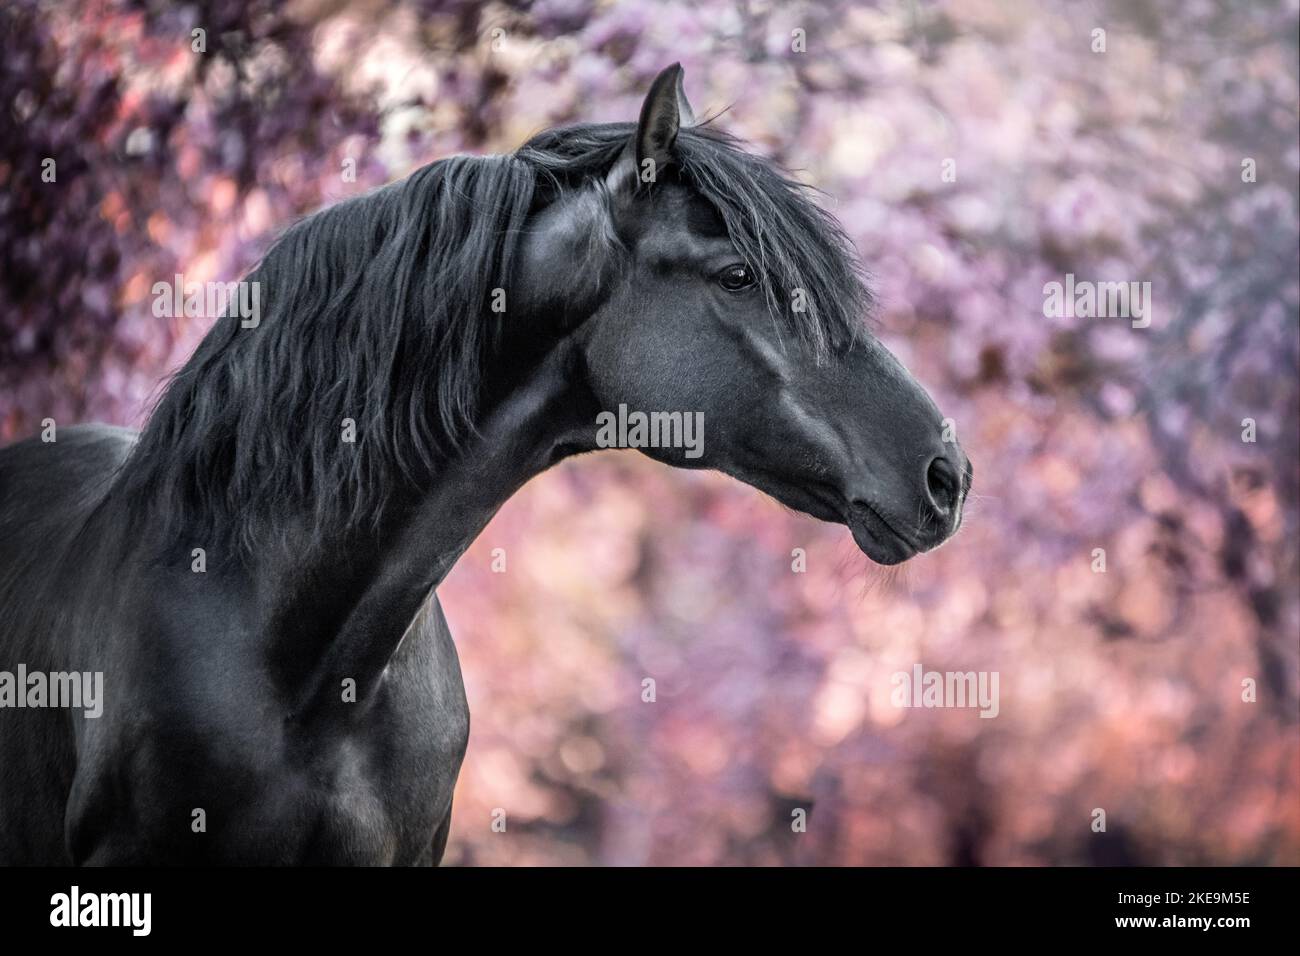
(1119,690)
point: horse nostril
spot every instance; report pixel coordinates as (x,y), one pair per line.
(943,483)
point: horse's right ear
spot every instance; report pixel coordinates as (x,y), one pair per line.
(650,151)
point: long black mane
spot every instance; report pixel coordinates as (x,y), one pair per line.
(378,310)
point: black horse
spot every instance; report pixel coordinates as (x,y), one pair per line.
(254,574)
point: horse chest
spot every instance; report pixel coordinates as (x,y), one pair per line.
(227,779)
(376,793)
(387,784)
(347,814)
(386,791)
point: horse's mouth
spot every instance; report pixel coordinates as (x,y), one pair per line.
(876,537)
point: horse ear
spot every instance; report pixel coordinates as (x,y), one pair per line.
(665,111)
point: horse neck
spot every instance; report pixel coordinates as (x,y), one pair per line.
(357,617)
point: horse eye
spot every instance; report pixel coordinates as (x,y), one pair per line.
(735,278)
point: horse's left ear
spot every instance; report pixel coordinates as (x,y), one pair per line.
(665,111)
